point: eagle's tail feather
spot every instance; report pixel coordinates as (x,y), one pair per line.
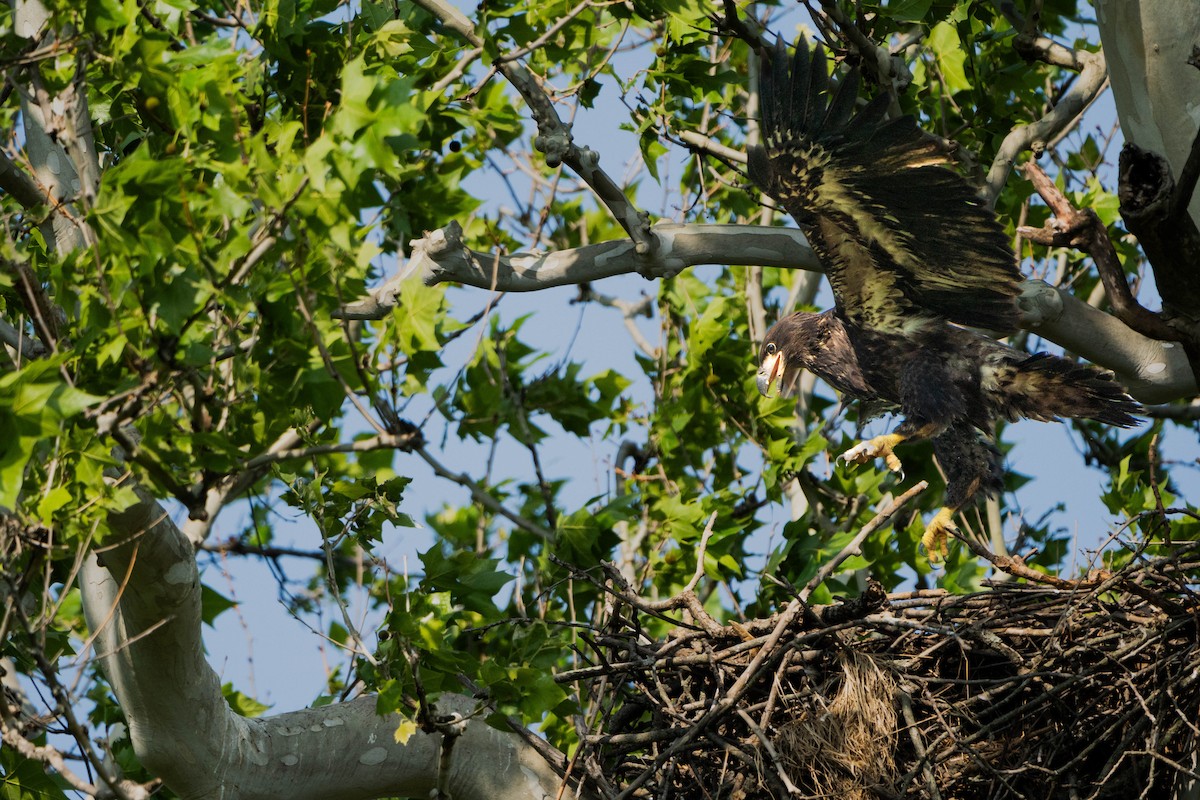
(1048,387)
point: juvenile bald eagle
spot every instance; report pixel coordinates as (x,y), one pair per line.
(912,254)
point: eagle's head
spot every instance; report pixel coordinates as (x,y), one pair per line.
(789,346)
(815,342)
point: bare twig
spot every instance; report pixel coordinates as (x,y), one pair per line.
(629,311)
(891,70)
(481,496)
(772,753)
(914,734)
(852,547)
(554,136)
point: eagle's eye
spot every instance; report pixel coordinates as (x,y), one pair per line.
(770,348)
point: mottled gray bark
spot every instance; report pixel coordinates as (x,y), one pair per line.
(1147,44)
(142,600)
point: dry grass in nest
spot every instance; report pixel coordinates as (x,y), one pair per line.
(849,746)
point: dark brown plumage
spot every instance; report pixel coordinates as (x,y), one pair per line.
(908,248)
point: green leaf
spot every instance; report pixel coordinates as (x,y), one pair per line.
(710,328)
(951,59)
(26,779)
(53,500)
(908,10)
(470,580)
(418,312)
(242,704)
(652,151)
(213,604)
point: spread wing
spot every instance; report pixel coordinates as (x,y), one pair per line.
(901,236)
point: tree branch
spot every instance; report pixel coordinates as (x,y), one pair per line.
(58,136)
(1153,371)
(853,546)
(48,319)
(1149,46)
(703,145)
(482,497)
(18,183)
(53,759)
(1083,230)
(1180,413)
(642,308)
(1185,189)
(1092,76)
(554,136)
(441,257)
(148,637)
(1168,236)
(892,72)
(23,345)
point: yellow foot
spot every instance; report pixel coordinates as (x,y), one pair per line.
(937,532)
(879,447)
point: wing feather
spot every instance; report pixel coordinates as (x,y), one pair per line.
(903,238)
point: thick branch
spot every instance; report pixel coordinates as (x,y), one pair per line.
(142,600)
(15,181)
(442,257)
(1148,44)
(1168,236)
(1153,371)
(22,345)
(58,136)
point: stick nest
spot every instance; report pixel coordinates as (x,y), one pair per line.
(1079,689)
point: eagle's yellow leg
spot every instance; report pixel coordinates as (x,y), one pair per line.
(937,532)
(879,447)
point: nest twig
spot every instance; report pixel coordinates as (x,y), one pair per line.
(1088,689)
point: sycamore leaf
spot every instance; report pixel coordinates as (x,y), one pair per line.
(404,731)
(948,50)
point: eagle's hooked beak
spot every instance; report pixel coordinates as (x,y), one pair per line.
(769,372)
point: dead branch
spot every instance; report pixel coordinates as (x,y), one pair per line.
(1083,230)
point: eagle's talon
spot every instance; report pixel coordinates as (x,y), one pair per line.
(879,447)
(893,463)
(937,534)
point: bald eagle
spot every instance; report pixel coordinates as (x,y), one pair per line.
(912,255)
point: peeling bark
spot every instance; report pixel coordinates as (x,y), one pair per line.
(142,600)
(1148,44)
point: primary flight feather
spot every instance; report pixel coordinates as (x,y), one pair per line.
(912,254)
